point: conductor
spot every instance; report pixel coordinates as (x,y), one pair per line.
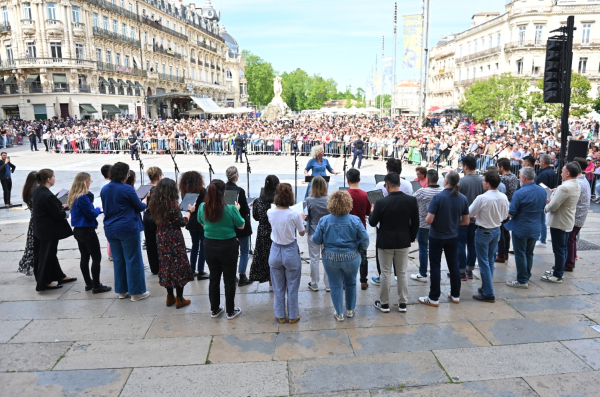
(318,165)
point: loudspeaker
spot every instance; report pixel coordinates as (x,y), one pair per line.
(577,149)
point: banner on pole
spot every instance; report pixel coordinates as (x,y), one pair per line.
(413,41)
(376,84)
(387,65)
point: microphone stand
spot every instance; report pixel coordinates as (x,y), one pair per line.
(210,168)
(175,163)
(141,169)
(296,171)
(248,172)
(345,166)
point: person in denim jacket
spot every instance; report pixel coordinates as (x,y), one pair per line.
(343,235)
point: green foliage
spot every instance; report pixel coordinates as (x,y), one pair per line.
(500,97)
(581,103)
(387,101)
(596,105)
(260,75)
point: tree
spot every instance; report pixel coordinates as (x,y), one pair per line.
(360,94)
(387,101)
(596,105)
(319,92)
(295,89)
(581,103)
(260,75)
(500,97)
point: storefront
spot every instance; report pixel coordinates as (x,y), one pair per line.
(11,112)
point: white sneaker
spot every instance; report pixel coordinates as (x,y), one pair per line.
(123,296)
(236,312)
(135,298)
(426,301)
(418,277)
(552,279)
(313,287)
(540,244)
(453,299)
(327,289)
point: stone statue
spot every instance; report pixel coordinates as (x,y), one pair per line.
(277,86)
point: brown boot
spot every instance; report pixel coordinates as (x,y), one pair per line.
(181,302)
(170,300)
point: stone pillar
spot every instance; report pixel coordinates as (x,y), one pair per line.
(40,29)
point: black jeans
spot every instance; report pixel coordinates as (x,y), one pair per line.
(449,247)
(364,266)
(46,267)
(151,248)
(33,144)
(6,188)
(504,243)
(89,246)
(221,258)
(46,144)
(238,152)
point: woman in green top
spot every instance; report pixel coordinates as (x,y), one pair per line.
(221,248)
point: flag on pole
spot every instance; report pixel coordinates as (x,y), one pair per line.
(376,83)
(413,41)
(387,66)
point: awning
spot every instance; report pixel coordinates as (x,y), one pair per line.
(113,82)
(59,78)
(88,108)
(138,85)
(111,109)
(122,83)
(206,104)
(31,78)
(129,83)
(10,106)
(137,62)
(102,80)
(9,80)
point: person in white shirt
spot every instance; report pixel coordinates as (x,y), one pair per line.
(489,210)
(395,165)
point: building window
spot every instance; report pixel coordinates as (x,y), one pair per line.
(193,74)
(123,4)
(145,37)
(105,23)
(522,30)
(460,52)
(117,59)
(170,70)
(124,30)
(499,39)
(581,69)
(56,49)
(76,14)
(132,32)
(490,42)
(468,48)
(51,9)
(147,64)
(475,47)
(127,61)
(27,11)
(130,7)
(459,75)
(156,67)
(79,51)
(31,51)
(95,20)
(228,74)
(176,71)
(175,47)
(98,54)
(539,30)
(585,38)
(520,66)
(163,69)
(108,56)
(115,26)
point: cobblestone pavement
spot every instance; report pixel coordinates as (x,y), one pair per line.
(68,342)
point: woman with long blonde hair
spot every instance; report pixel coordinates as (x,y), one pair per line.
(83,220)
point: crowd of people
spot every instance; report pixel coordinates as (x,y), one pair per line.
(469,219)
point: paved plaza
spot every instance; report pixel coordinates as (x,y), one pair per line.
(68,342)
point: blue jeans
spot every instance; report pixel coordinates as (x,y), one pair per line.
(342,275)
(559,247)
(486,243)
(423,240)
(244,254)
(197,253)
(523,257)
(466,243)
(286,269)
(357,153)
(448,246)
(128,264)
(543,228)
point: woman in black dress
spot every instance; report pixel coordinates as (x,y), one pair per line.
(155,174)
(49,226)
(192,182)
(259,270)
(26,263)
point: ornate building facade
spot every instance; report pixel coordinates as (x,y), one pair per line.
(513,42)
(101,58)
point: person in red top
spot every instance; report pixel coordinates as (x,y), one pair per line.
(361,207)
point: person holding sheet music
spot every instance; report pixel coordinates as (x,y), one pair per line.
(26,262)
(318,165)
(155,174)
(84,223)
(315,208)
(50,225)
(192,182)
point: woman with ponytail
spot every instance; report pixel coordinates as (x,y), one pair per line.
(259,270)
(155,174)
(221,248)
(49,226)
(26,262)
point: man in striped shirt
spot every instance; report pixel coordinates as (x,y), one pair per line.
(424,197)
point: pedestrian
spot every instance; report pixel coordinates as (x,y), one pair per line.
(84,223)
(105,170)
(343,237)
(398,217)
(357,149)
(445,213)
(122,227)
(546,176)
(471,186)
(424,197)
(581,211)
(239,147)
(32,139)
(260,270)
(26,263)
(174,266)
(50,225)
(489,210)
(284,259)
(361,207)
(155,174)
(561,219)
(192,182)
(511,182)
(133,146)
(7,168)
(243,235)
(221,247)
(524,211)
(315,208)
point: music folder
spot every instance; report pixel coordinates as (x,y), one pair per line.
(231,196)
(143,191)
(416,185)
(375,195)
(548,191)
(310,178)
(379,178)
(188,199)
(63,196)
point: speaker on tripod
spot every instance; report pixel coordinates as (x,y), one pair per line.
(577,149)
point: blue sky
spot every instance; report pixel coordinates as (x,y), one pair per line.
(336,39)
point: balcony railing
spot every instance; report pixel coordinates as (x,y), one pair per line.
(84,88)
(54,62)
(192,60)
(107,5)
(163,76)
(102,89)
(28,26)
(78,25)
(167,52)
(218,68)
(588,44)
(4,27)
(479,54)
(109,67)
(541,44)
(54,24)
(36,88)
(60,88)
(159,26)
(106,34)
